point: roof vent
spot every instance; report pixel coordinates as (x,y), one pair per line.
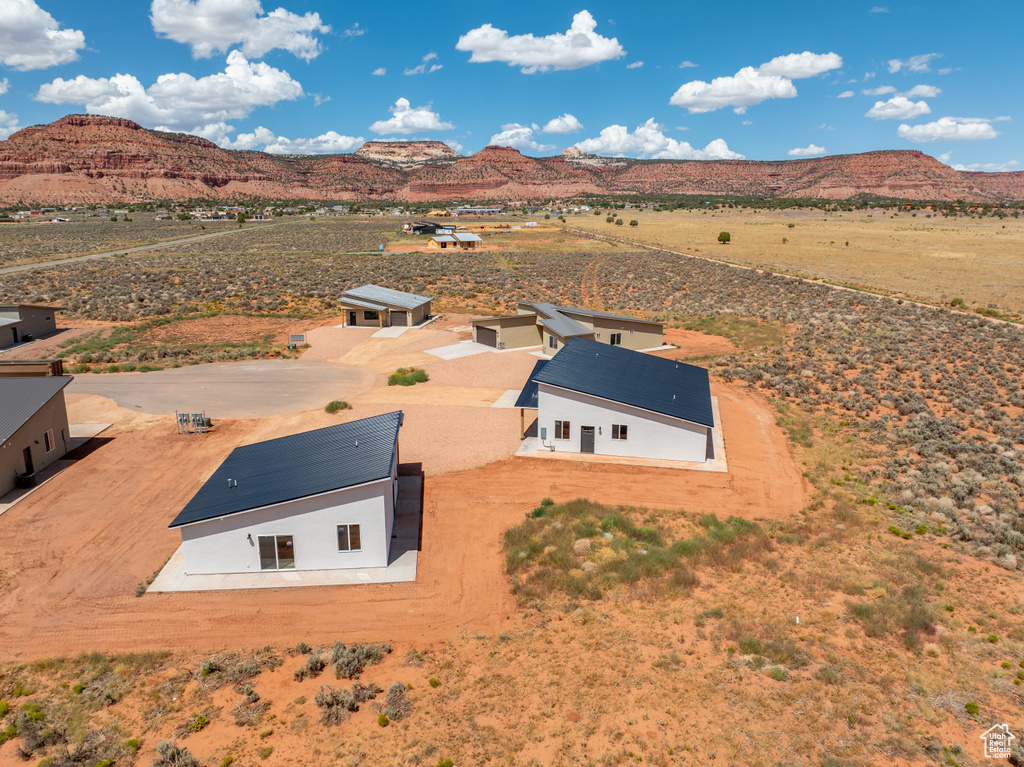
(357,443)
(673,397)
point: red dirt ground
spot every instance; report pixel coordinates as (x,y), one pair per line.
(76,549)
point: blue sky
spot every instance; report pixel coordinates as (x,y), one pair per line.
(673,80)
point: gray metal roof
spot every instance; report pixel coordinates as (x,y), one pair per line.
(557,323)
(467,237)
(528,396)
(297,466)
(606,315)
(387,296)
(8,321)
(443,238)
(346,301)
(621,375)
(23,397)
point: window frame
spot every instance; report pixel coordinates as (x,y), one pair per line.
(552,342)
(368,312)
(348,538)
(277,541)
(48,441)
(563,430)
(615,339)
(620,431)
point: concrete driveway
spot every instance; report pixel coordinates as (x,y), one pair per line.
(230,389)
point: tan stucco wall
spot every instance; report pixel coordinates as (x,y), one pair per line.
(513,332)
(361,320)
(643,336)
(53,415)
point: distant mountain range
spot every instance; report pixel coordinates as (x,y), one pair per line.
(83,158)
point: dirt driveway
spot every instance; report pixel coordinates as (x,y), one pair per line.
(74,551)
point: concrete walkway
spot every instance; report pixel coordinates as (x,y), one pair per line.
(532,448)
(401,567)
(136,249)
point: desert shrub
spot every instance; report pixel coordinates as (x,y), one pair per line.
(335,705)
(169,754)
(396,703)
(335,405)
(407,377)
(581,549)
(350,661)
(434,682)
(903,612)
(313,667)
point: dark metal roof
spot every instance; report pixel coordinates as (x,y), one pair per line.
(556,322)
(528,396)
(606,315)
(386,296)
(297,466)
(22,398)
(651,383)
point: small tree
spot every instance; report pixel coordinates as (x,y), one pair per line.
(634,222)
(618,222)
(724,237)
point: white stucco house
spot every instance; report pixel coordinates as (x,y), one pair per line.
(607,400)
(320,500)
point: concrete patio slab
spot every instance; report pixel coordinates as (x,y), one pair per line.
(461,349)
(391,332)
(401,568)
(508,399)
(532,448)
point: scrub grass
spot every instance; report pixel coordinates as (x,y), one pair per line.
(407,377)
(584,550)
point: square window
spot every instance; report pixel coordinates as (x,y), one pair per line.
(349,538)
(619,431)
(561,430)
(48,441)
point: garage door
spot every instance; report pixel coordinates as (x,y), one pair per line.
(399,318)
(487,336)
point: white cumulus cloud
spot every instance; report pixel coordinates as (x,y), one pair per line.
(846,95)
(914,63)
(406,118)
(567,123)
(927,91)
(898,108)
(949,129)
(988,167)
(688,65)
(266,140)
(577,47)
(212,26)
(750,86)
(379,72)
(520,137)
(8,124)
(4,85)
(797,66)
(812,150)
(178,100)
(649,141)
(879,91)
(354,31)
(30,38)
(634,65)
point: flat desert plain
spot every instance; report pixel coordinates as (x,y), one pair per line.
(937,259)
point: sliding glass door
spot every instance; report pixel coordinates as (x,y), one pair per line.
(277,552)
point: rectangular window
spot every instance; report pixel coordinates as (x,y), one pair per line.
(277,552)
(618,431)
(48,441)
(370,314)
(597,336)
(561,430)
(615,339)
(552,342)
(348,538)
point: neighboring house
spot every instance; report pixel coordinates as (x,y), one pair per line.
(455,240)
(592,398)
(320,500)
(429,227)
(552,326)
(25,322)
(33,426)
(374,306)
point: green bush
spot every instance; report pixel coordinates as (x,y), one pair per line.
(407,377)
(434,682)
(336,405)
(383,720)
(197,722)
(972,708)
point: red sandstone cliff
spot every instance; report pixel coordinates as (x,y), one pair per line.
(88,158)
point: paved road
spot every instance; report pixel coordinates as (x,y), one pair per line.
(230,389)
(125,251)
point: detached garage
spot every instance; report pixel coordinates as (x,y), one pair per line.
(320,500)
(596,398)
